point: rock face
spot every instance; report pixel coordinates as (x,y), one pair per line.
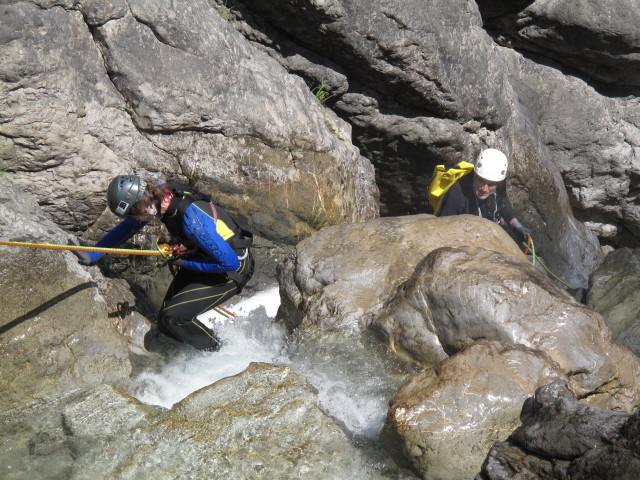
(422,89)
(576,36)
(614,294)
(562,438)
(484,387)
(343,275)
(487,325)
(214,95)
(457,296)
(58,331)
(169,93)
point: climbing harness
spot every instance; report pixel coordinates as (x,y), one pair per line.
(530,247)
(442,180)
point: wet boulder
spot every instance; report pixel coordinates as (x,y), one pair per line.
(343,275)
(561,437)
(443,421)
(263,422)
(458,296)
(614,294)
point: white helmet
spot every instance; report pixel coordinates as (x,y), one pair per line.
(492,165)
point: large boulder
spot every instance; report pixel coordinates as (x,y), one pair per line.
(343,275)
(614,294)
(563,438)
(442,422)
(92,90)
(458,296)
(264,422)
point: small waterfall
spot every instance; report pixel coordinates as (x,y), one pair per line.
(352,380)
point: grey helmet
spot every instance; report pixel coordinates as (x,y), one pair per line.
(123,192)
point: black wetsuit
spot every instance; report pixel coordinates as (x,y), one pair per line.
(209,275)
(461,198)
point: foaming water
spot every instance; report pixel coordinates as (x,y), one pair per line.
(354,380)
(251,337)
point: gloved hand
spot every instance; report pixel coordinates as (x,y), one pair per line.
(520,230)
(176,262)
(83,257)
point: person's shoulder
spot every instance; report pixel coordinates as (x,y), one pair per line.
(200,209)
(458,187)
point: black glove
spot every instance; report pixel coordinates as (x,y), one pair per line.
(176,262)
(520,230)
(83,257)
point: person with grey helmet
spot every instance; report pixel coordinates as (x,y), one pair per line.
(484,193)
(218,261)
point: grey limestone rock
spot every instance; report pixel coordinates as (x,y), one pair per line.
(613,293)
(563,438)
(458,296)
(443,421)
(343,275)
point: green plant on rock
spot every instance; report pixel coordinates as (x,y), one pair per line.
(321,93)
(225,10)
(5,174)
(334,131)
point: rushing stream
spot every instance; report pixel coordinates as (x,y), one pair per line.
(353,381)
(353,375)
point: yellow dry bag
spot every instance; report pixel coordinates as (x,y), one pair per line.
(442,180)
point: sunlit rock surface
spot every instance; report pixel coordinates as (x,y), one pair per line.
(91,91)
(443,421)
(614,293)
(262,423)
(57,331)
(343,275)
(458,296)
(563,438)
(417,95)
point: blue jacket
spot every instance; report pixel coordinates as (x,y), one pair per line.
(199,227)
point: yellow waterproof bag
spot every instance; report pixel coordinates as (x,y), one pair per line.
(442,180)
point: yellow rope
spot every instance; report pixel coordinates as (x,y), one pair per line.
(123,251)
(530,246)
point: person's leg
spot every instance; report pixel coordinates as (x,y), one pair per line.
(189,295)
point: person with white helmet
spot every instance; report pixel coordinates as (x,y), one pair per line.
(484,193)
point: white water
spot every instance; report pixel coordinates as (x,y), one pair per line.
(251,337)
(352,387)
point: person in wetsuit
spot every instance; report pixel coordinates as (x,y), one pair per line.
(484,193)
(217,265)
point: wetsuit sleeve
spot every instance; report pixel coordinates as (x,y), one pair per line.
(453,202)
(117,236)
(200,228)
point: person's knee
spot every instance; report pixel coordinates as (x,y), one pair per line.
(170,321)
(187,330)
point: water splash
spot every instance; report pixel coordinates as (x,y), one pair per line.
(354,377)
(251,337)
